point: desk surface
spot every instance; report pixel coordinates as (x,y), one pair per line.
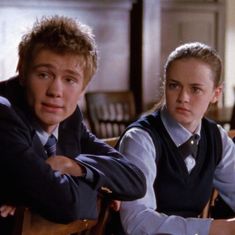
(220,115)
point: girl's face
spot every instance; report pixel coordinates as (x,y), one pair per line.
(189,91)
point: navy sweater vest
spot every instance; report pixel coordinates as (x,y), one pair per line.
(177,191)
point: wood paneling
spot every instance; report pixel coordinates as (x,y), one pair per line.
(187,21)
(110,23)
(127,33)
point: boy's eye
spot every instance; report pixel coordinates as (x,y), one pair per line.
(43,75)
(71,80)
(172,85)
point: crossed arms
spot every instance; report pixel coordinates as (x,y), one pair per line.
(27,179)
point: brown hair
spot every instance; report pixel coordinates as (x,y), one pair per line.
(61,35)
(198,51)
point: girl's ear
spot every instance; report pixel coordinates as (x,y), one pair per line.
(217,92)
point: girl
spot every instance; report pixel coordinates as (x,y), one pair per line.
(182,154)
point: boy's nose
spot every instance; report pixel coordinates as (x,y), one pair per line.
(55,88)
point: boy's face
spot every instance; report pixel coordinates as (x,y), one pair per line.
(189,91)
(53,86)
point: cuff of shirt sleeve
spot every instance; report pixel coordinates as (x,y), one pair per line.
(88,175)
(198,226)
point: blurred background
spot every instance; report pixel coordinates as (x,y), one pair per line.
(134,38)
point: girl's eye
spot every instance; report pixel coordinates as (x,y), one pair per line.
(196,90)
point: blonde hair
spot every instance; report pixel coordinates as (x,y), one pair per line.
(61,35)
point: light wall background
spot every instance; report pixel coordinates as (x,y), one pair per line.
(229,63)
(14,28)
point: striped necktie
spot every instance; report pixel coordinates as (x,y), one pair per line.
(50,146)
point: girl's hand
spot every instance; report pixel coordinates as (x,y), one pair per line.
(115,205)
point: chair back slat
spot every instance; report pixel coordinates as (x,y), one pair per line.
(109,113)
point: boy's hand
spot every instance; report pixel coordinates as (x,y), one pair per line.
(6,210)
(65,165)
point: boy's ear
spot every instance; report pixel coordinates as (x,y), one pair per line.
(218,91)
(21,80)
(19,69)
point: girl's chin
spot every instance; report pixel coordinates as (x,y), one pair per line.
(181,118)
(183,121)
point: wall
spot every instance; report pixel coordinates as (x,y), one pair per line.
(229,67)
(110,21)
(192,20)
(151,52)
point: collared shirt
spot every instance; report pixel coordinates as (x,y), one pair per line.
(43,135)
(179,135)
(140,217)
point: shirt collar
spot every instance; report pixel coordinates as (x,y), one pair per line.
(43,135)
(177,132)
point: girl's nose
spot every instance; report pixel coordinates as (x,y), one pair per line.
(183,95)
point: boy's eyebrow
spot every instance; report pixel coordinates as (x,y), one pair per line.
(42,65)
(172,80)
(72,72)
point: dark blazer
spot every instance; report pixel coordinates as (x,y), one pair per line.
(26,179)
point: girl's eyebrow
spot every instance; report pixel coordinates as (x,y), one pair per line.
(190,84)
(197,84)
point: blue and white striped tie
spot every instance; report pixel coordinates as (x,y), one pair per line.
(50,146)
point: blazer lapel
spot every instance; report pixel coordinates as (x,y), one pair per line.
(38,147)
(67,143)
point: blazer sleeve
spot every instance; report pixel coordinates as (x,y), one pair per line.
(26,179)
(113,172)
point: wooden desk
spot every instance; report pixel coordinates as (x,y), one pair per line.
(221,115)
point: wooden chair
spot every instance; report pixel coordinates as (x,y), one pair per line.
(105,210)
(111,141)
(109,112)
(214,195)
(29,223)
(206,213)
(232,120)
(231,133)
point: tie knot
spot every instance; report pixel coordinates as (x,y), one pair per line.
(194,139)
(50,146)
(190,146)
